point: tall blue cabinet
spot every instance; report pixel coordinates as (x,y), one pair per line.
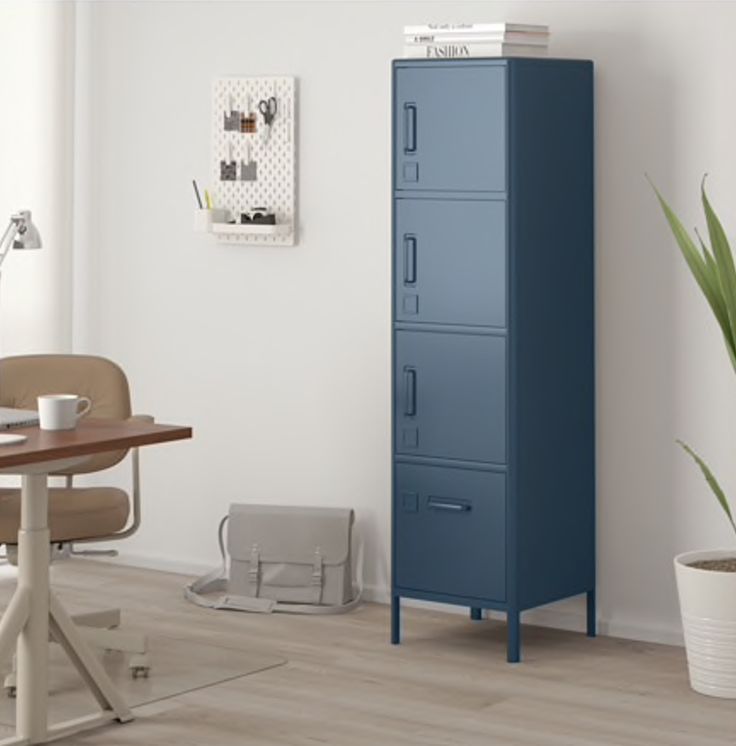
(493,335)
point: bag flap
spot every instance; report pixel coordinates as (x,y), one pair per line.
(289,534)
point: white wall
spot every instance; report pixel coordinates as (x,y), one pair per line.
(36,81)
(280,357)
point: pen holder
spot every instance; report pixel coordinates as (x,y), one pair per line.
(203,219)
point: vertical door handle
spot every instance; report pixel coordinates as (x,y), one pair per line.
(410,128)
(410,391)
(410,259)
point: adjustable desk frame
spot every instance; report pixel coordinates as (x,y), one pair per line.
(34,611)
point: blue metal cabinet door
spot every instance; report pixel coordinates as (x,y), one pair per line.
(450,127)
(451,395)
(450,261)
(450,531)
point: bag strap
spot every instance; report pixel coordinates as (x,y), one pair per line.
(216,581)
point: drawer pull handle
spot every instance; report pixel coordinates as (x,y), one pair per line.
(410,391)
(410,259)
(410,128)
(441,504)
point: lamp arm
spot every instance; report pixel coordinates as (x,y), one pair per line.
(7,240)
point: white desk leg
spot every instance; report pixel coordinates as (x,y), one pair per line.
(31,613)
(33,574)
(90,669)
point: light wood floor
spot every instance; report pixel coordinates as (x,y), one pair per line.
(447,684)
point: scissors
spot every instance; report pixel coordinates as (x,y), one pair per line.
(267,107)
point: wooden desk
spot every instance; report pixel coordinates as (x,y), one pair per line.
(34,610)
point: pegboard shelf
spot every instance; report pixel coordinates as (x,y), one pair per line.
(239,229)
(254,158)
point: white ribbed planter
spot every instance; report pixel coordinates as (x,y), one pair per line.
(708,608)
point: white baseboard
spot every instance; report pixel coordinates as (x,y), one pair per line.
(160,564)
(567,615)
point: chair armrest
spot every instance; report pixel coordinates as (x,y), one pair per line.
(136,480)
(135,524)
(141,418)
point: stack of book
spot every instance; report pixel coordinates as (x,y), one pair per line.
(476,40)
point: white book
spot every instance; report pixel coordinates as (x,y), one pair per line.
(489,28)
(448,51)
(511,37)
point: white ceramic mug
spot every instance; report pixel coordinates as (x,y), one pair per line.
(61,411)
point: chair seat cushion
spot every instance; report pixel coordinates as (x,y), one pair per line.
(74,513)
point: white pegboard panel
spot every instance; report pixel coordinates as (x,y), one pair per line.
(274,154)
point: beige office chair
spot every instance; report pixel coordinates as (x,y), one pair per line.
(78,514)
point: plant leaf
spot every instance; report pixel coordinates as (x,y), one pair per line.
(712,482)
(705,269)
(723,259)
(721,312)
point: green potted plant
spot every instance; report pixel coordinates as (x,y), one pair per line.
(706,580)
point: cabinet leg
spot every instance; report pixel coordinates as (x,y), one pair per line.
(476,614)
(395,620)
(513,640)
(591,613)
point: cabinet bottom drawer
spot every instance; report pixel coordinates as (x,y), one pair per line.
(450,530)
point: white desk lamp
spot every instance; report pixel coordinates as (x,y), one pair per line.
(21,233)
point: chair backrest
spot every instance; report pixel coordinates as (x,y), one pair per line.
(25,377)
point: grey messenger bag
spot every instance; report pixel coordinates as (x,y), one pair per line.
(288,559)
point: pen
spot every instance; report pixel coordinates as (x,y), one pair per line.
(207,199)
(196,194)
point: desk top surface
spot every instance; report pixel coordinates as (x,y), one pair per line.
(91,436)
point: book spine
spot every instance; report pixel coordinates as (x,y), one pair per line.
(450,51)
(508,38)
(493,28)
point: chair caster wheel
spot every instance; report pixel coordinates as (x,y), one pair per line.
(140,666)
(10,685)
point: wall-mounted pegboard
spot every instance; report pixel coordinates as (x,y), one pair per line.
(254,158)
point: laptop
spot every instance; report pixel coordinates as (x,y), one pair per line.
(10,417)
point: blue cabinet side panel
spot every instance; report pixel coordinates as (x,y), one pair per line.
(552,448)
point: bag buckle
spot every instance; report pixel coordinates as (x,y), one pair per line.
(317,577)
(317,566)
(254,568)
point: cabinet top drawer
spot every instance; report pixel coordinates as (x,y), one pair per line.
(450,128)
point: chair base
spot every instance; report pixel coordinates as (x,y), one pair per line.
(100,630)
